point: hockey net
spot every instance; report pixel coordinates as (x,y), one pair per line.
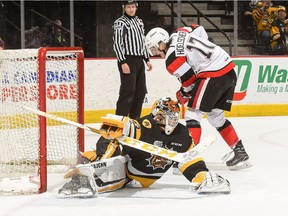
(51,80)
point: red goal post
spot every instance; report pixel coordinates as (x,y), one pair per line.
(51,80)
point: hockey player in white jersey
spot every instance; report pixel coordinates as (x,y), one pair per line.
(208,81)
(196,30)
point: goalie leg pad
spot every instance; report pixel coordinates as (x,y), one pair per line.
(211,183)
(79,186)
(108,174)
(96,177)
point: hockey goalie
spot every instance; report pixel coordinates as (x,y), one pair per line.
(112,165)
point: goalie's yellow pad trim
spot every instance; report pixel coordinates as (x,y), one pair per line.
(71,173)
(189,163)
(199,178)
(112,187)
(114,122)
(110,132)
(90,155)
(137,130)
(110,150)
(191,146)
(145,182)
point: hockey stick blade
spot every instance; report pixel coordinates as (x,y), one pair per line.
(138,144)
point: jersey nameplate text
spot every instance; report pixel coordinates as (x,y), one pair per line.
(180,43)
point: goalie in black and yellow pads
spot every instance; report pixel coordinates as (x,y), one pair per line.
(112,165)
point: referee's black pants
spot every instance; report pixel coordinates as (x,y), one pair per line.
(132,89)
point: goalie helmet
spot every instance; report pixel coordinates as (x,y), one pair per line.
(166,114)
(154,37)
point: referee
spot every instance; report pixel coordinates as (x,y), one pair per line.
(131,52)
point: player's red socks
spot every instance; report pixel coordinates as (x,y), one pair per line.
(228,133)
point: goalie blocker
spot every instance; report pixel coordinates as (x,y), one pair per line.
(112,165)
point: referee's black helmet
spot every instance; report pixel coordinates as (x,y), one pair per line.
(129,2)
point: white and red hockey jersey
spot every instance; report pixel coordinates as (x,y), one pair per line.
(190,57)
(197,30)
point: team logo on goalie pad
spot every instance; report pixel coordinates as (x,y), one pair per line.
(157,162)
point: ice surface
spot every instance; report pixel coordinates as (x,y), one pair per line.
(260,190)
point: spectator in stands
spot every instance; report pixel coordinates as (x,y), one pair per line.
(57,36)
(31,37)
(44,35)
(277,32)
(37,36)
(2,45)
(264,15)
(286,34)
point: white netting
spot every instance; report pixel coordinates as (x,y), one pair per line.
(20,130)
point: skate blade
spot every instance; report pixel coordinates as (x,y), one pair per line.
(221,189)
(241,165)
(214,192)
(77,195)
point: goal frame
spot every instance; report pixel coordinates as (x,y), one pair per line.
(43,51)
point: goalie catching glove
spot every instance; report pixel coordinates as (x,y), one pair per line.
(114,126)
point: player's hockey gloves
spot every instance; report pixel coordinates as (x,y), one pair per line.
(114,126)
(182,96)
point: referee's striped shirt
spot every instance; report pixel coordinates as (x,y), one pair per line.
(129,38)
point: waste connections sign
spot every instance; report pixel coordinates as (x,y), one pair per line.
(261,80)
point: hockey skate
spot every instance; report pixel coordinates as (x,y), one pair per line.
(79,186)
(212,184)
(240,158)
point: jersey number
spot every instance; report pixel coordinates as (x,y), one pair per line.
(205,49)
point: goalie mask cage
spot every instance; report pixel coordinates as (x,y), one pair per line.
(51,80)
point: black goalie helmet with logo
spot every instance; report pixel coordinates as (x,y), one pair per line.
(166,113)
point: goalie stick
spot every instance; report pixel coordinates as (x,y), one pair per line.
(138,144)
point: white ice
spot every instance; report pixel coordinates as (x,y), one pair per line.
(260,190)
